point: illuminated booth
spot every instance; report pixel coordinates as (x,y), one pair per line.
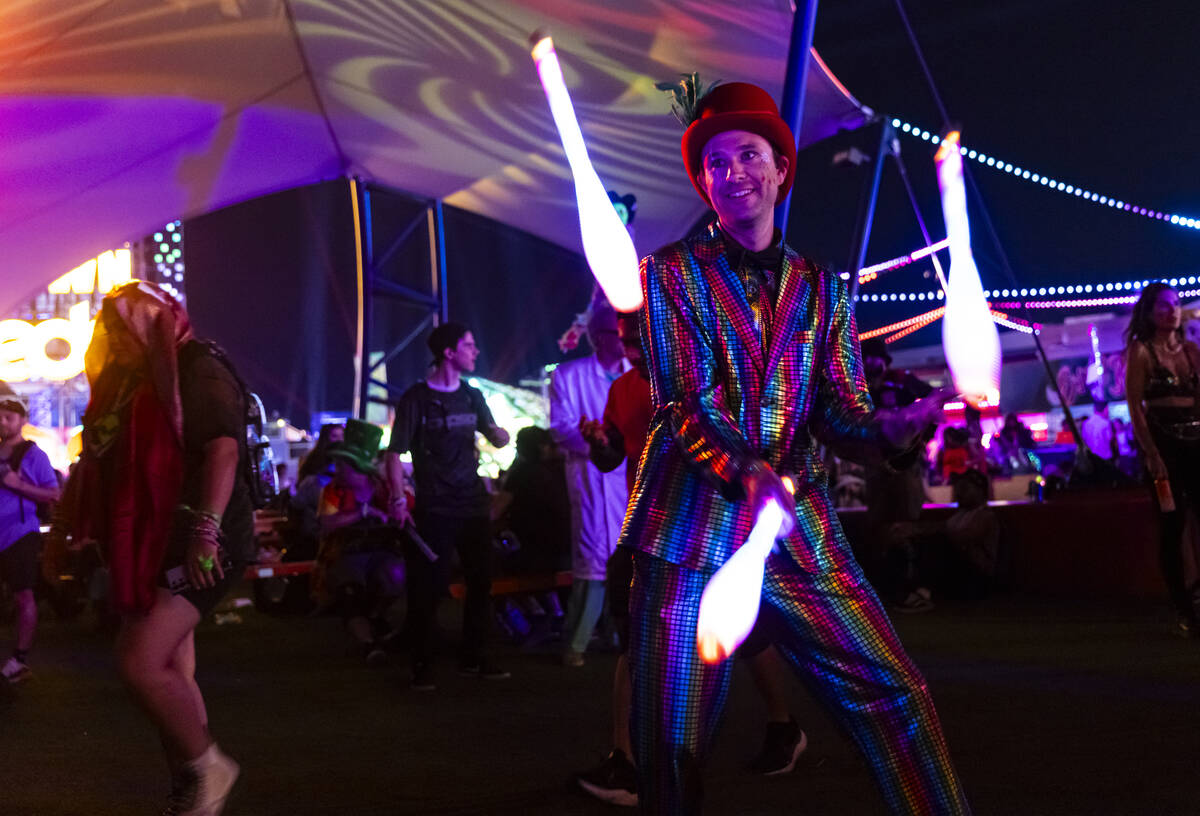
(42,351)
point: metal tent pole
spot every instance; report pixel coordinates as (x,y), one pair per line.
(866,216)
(804,21)
(360,202)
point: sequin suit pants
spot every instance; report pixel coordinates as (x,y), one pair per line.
(834,632)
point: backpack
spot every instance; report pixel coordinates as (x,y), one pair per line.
(258,465)
(44,509)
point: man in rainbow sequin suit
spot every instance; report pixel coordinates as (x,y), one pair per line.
(751,350)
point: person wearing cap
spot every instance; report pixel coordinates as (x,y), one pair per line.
(436,419)
(26,478)
(356,565)
(749,346)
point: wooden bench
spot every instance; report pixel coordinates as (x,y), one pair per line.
(506,585)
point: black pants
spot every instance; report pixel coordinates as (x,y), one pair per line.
(1183,469)
(428,582)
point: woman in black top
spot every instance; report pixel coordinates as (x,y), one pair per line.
(1162,386)
(159,487)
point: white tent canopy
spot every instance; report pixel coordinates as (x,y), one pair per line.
(119,115)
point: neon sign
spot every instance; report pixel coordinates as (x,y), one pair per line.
(23,346)
(102,274)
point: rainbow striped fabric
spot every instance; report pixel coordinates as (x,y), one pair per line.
(832,629)
(726,392)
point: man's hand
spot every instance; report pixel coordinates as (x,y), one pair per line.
(761,484)
(370,511)
(12,480)
(202,565)
(398,510)
(902,425)
(593,432)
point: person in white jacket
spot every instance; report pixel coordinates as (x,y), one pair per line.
(578,392)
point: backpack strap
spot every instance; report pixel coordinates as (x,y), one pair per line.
(18,455)
(14,461)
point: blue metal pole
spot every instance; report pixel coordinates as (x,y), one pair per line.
(444,312)
(804,21)
(866,216)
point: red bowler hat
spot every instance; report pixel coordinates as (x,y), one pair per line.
(737,106)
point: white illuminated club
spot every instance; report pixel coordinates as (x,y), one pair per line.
(969,336)
(606,242)
(729,604)
(1019,172)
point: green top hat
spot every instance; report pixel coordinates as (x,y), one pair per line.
(360,447)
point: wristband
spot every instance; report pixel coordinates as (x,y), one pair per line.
(215,518)
(205,526)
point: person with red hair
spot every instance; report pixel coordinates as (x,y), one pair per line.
(159,487)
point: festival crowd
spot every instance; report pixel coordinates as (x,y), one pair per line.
(662,447)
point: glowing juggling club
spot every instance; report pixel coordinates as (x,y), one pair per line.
(606,242)
(730,601)
(969,336)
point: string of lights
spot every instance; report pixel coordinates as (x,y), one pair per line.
(913,328)
(1082,302)
(1074,289)
(885,296)
(870,273)
(1015,323)
(1067,304)
(928,317)
(1049,182)
(903,328)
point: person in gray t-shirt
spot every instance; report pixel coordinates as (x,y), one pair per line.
(436,420)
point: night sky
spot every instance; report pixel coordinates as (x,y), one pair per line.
(1102,95)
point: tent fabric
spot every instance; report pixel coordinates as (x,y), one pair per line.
(120,115)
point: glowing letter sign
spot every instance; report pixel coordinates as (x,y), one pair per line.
(112,269)
(23,346)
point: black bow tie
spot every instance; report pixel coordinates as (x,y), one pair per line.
(767,259)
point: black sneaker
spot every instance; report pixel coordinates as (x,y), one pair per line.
(422,679)
(483,669)
(916,602)
(15,671)
(781,749)
(614,780)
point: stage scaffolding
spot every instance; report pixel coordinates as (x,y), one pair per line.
(389,235)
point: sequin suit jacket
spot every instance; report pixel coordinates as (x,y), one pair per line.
(725,396)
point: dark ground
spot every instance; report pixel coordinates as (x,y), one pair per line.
(1050,707)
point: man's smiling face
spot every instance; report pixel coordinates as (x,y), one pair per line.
(742,176)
